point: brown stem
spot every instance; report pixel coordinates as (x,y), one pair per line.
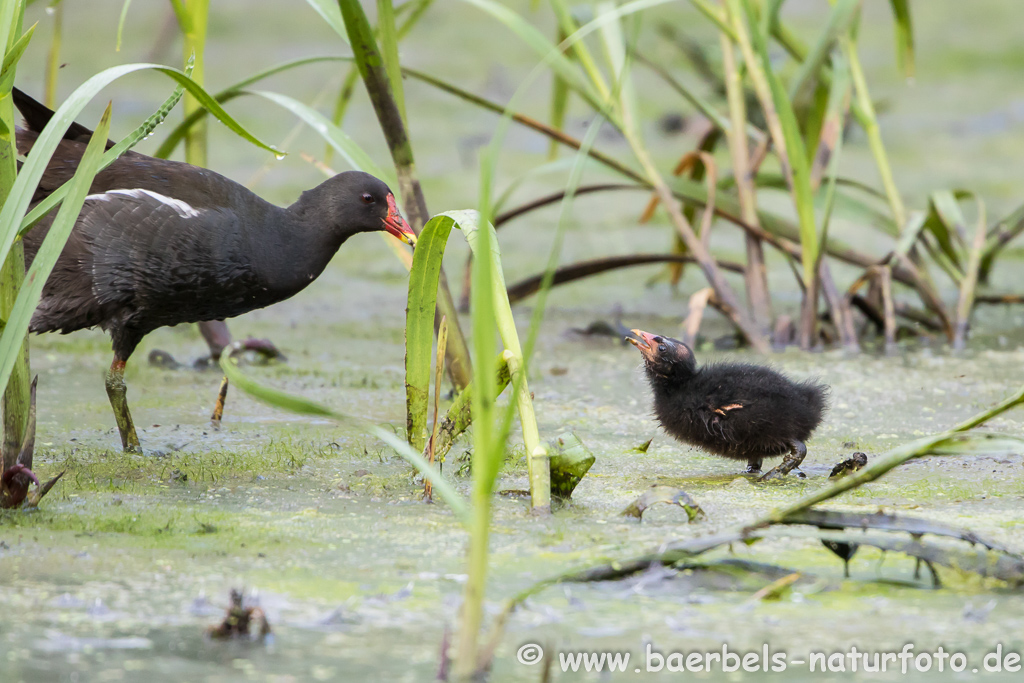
(576,271)
(378,86)
(885,281)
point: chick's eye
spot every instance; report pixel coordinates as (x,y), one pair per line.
(368,198)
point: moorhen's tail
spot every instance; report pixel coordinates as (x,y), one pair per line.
(37,115)
(817,396)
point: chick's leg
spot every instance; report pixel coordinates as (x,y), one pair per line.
(792,460)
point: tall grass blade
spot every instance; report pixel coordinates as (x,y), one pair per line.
(419,324)
(15,393)
(904,36)
(864,108)
(193,17)
(229,93)
(559,105)
(32,288)
(12,57)
(120,24)
(843,13)
(337,138)
(553,57)
(378,86)
(389,52)
(331,13)
(567,26)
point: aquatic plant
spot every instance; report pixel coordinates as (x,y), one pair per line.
(785,125)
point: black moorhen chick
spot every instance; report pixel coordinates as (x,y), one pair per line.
(735,410)
(162,242)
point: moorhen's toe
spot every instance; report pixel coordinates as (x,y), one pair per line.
(265,348)
(162,359)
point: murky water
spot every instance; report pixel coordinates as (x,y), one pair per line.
(131,558)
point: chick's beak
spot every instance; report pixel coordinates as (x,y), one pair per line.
(396,225)
(644,341)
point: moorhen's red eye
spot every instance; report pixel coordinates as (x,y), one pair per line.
(368,198)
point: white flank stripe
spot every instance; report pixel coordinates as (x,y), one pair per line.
(183,208)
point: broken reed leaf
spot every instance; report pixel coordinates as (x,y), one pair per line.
(458,417)
(570,462)
(642,448)
(664,494)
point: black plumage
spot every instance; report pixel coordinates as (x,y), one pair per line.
(162,242)
(735,410)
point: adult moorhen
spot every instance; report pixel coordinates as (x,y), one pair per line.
(163,242)
(215,332)
(735,410)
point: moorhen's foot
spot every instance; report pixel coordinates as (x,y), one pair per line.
(264,347)
(218,408)
(754,467)
(14,488)
(162,359)
(14,470)
(789,463)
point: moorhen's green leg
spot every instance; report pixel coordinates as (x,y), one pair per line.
(754,466)
(116,392)
(792,460)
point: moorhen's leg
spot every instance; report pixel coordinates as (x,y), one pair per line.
(789,463)
(117,393)
(754,466)
(218,408)
(217,336)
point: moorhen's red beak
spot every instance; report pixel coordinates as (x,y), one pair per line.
(396,225)
(645,342)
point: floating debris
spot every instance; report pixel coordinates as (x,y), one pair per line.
(664,494)
(239,621)
(851,464)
